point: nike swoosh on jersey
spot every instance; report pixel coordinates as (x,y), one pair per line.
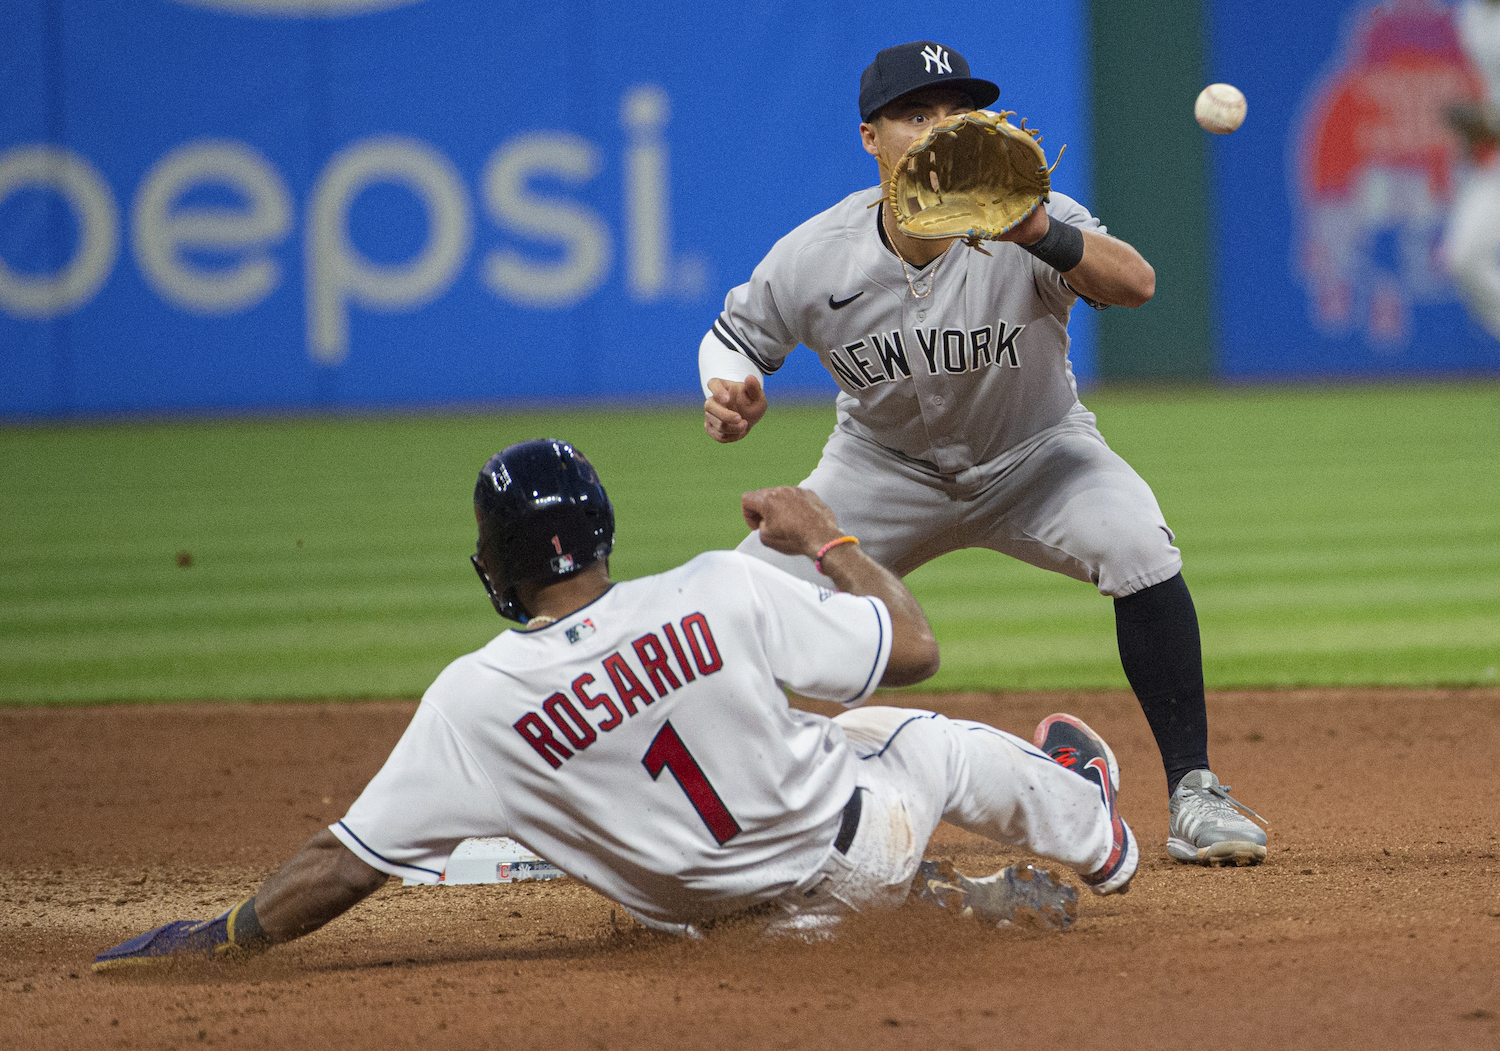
(840,304)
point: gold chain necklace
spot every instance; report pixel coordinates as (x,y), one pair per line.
(540,622)
(890,240)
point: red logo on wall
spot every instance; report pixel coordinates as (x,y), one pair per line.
(1374,167)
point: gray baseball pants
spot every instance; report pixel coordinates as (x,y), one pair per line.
(1063,500)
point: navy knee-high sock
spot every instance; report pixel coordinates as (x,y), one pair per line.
(1157,629)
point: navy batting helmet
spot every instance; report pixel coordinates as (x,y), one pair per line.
(543,516)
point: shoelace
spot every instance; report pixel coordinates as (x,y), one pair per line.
(1221,792)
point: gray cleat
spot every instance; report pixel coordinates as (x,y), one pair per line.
(1017,894)
(1207,827)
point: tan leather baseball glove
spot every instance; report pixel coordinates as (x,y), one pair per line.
(973,175)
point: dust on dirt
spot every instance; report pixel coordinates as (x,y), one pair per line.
(1375,921)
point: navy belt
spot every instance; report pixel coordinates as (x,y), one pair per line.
(850,824)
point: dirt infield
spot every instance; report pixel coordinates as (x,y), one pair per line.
(1374,923)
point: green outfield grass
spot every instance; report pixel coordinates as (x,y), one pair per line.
(1343,536)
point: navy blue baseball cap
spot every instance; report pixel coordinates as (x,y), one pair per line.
(905,68)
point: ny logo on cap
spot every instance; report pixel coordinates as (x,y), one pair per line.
(931,56)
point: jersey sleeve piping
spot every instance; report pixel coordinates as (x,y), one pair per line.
(421,874)
(374,859)
(882,652)
(731,339)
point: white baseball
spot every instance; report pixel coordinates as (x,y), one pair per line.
(1220,108)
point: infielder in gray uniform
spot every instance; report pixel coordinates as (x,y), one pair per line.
(959,423)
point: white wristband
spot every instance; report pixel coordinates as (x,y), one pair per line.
(716,361)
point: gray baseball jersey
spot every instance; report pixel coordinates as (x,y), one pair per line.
(969,360)
(959,423)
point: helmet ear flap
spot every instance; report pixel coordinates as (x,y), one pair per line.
(506,604)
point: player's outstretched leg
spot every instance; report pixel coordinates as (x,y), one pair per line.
(1072,744)
(996,785)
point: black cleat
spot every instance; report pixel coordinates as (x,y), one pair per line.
(1070,743)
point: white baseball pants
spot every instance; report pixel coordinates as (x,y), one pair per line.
(918,768)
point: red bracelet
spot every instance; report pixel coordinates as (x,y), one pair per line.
(818,561)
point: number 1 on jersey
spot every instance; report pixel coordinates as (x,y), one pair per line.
(668,752)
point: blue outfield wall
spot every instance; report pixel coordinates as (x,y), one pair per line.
(1329,204)
(226,204)
(231,204)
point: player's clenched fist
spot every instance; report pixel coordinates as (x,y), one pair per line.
(791,520)
(733,408)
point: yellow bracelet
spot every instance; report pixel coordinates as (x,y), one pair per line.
(818,561)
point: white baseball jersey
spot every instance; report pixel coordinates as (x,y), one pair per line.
(966,362)
(643,743)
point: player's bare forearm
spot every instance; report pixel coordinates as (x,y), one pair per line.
(1112,272)
(321,881)
(914,652)
(797,522)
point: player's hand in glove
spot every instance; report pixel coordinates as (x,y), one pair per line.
(1030,229)
(733,408)
(236,932)
(975,176)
